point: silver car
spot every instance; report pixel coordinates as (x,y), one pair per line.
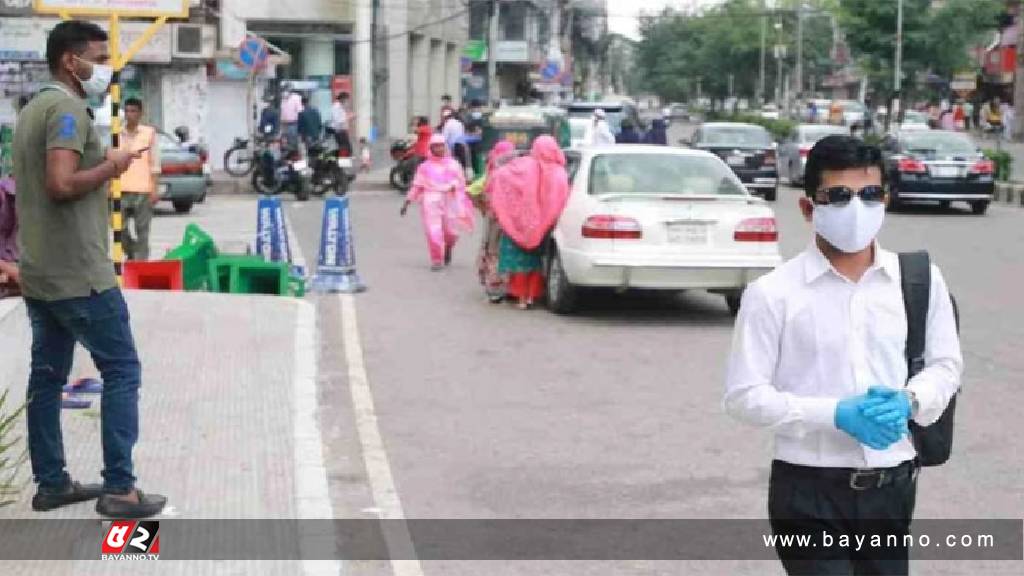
(793,151)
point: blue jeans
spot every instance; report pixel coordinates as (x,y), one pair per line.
(100,323)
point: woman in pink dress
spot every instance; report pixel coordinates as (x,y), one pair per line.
(447,212)
(528,195)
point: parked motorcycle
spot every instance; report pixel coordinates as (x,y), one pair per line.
(278,172)
(405,166)
(332,169)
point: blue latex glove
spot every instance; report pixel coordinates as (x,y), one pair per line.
(850,419)
(888,406)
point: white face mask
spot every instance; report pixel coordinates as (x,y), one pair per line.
(849,228)
(99,81)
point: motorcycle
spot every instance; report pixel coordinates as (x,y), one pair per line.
(288,170)
(405,165)
(332,169)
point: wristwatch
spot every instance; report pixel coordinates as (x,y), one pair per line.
(915,405)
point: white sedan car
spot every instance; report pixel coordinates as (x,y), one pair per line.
(658,218)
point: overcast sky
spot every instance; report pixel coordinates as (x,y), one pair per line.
(622,13)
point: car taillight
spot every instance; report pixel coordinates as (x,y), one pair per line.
(911,166)
(756,230)
(769,158)
(344,153)
(186,168)
(804,151)
(203,156)
(612,228)
(983,167)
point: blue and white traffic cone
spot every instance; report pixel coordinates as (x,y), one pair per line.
(336,262)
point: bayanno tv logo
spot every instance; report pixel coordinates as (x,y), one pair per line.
(131,540)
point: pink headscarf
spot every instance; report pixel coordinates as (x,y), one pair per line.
(528,194)
(502,148)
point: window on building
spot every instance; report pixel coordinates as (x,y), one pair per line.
(513,20)
(479,14)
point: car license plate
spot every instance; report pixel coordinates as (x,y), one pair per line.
(945,171)
(736,161)
(344,162)
(688,234)
(299,165)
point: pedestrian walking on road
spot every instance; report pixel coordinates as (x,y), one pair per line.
(818,355)
(598,133)
(658,134)
(528,195)
(487,262)
(440,188)
(9,275)
(628,134)
(71,294)
(141,183)
(454,132)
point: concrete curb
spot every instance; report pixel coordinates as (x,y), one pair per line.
(1000,191)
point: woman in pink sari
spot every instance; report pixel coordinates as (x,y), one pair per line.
(528,195)
(487,261)
(440,188)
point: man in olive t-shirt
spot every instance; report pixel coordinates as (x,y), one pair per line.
(67,277)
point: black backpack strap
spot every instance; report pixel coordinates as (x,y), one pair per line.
(916,273)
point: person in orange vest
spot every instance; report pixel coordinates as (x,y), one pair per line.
(141,183)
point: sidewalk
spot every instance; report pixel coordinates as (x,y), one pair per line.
(228,413)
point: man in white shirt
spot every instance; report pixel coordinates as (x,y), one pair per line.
(819,350)
(598,133)
(339,122)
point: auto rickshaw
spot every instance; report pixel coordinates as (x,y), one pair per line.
(521,125)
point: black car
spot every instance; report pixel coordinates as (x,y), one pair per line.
(748,149)
(937,166)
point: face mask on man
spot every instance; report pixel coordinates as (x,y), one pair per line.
(850,227)
(98,81)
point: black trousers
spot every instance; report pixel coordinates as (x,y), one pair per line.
(821,504)
(342,138)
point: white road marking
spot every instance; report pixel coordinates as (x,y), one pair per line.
(312,499)
(311,492)
(382,483)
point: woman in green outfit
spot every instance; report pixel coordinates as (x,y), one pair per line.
(527,196)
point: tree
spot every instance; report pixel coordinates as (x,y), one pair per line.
(936,37)
(676,50)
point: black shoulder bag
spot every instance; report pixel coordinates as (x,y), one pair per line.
(935,442)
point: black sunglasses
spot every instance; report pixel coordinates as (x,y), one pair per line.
(841,195)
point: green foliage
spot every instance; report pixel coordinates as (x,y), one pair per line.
(11,458)
(779,129)
(935,39)
(1003,161)
(677,50)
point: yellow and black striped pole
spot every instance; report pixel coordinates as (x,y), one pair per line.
(116,221)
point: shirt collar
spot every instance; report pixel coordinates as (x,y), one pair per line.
(817,265)
(57,85)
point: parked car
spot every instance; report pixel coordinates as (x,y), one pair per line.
(657,218)
(793,151)
(937,166)
(677,111)
(748,149)
(182,178)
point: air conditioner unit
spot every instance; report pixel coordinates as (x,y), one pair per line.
(194,40)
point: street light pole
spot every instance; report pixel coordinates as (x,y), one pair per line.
(898,78)
(799,49)
(764,38)
(493,94)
